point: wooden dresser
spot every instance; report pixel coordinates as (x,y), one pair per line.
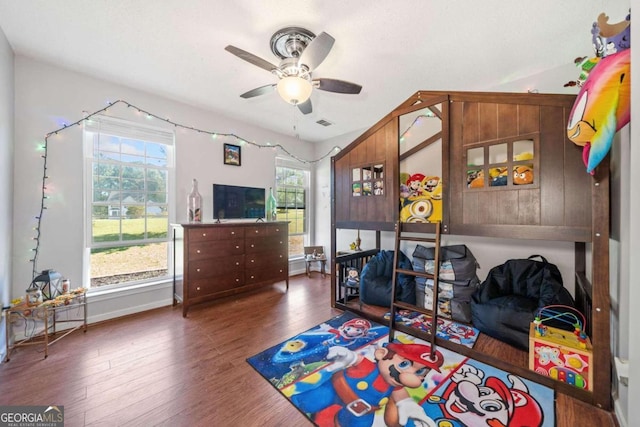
(216,260)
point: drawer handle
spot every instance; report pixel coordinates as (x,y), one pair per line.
(280,270)
(237,280)
(237,263)
(280,241)
(198,288)
(198,270)
(233,232)
(204,234)
(252,245)
(257,231)
(253,260)
(237,246)
(252,277)
(280,257)
(198,251)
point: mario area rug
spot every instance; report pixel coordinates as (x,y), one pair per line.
(345,372)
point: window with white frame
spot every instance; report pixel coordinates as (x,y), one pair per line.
(292,196)
(128,184)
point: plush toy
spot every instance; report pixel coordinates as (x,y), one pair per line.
(478,181)
(602,106)
(421,199)
(522,175)
(353,278)
(498,176)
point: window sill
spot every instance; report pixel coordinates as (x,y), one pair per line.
(108,292)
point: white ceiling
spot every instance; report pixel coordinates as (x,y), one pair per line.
(175,48)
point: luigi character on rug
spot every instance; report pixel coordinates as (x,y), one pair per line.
(352,388)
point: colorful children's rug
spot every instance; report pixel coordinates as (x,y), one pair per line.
(344,372)
(445,329)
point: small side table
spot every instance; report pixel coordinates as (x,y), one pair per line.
(322,259)
(40,321)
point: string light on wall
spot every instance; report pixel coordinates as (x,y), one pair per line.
(415,122)
(149,115)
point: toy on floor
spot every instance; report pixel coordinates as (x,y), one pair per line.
(560,354)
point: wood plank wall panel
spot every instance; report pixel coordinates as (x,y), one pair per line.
(528,206)
(551,173)
(528,119)
(470,212)
(470,133)
(507,120)
(508,212)
(487,121)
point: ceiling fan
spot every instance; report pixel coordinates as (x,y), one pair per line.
(300,52)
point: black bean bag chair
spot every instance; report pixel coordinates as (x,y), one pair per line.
(376,276)
(506,303)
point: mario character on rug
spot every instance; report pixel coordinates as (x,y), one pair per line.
(313,345)
(349,331)
(469,401)
(352,388)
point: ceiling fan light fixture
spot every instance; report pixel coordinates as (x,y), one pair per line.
(295,90)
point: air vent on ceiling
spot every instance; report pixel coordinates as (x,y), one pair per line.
(324,122)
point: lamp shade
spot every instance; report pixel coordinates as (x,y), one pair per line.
(294,90)
(49,283)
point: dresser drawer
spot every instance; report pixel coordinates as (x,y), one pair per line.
(266,259)
(215,249)
(273,273)
(216,267)
(203,287)
(265,244)
(200,234)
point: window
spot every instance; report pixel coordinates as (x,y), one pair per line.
(292,192)
(129,174)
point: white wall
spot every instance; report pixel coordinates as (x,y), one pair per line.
(6,177)
(47,96)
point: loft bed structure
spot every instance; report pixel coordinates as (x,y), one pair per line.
(475,149)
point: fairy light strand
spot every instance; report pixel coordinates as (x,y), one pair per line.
(88,116)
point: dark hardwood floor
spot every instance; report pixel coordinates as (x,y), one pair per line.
(158,368)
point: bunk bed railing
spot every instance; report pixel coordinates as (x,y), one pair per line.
(346,261)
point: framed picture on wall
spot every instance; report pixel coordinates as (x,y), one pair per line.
(232,155)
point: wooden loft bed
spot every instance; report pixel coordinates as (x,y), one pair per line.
(468,134)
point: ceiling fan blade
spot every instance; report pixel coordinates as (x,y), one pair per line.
(306,107)
(262,90)
(317,51)
(338,86)
(251,58)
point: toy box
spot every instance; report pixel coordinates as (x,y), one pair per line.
(561,355)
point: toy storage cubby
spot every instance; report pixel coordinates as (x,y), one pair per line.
(534,187)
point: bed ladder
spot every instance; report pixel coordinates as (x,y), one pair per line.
(397,305)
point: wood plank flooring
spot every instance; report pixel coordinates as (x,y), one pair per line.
(159,369)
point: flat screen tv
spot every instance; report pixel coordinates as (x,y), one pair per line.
(237,202)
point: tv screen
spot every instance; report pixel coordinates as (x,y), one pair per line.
(233,202)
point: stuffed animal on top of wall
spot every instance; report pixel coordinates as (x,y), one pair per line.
(602,106)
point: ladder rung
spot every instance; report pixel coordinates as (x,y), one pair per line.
(418,239)
(415,273)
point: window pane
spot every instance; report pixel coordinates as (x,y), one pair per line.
(292,186)
(129,202)
(103,228)
(122,264)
